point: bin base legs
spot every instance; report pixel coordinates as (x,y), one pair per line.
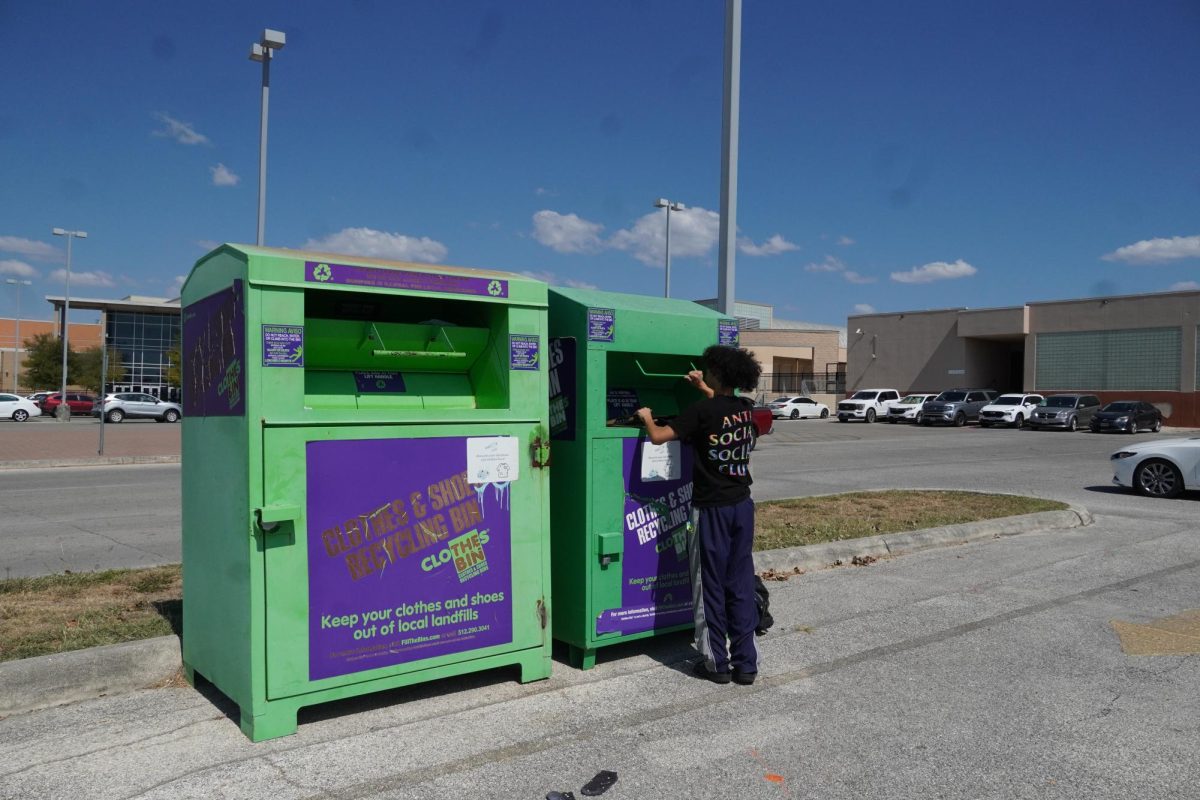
(582,657)
(535,666)
(278,720)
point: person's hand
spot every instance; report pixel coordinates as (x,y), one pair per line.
(695,377)
(646,416)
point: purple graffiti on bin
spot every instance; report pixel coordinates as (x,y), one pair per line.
(214,343)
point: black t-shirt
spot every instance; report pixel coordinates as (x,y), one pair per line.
(721,432)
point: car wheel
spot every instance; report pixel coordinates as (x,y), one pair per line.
(116,415)
(824,413)
(983,424)
(1157,478)
(842,419)
(1157,425)
(870,415)
(960,419)
(171,416)
(20,415)
(919,419)
(1131,427)
(1019,422)
(795,413)
(1071,425)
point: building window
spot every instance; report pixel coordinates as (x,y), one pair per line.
(1128,360)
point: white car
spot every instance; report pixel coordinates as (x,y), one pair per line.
(866,404)
(1158,468)
(907,408)
(18,408)
(797,407)
(1009,409)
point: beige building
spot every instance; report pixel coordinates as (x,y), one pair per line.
(1135,346)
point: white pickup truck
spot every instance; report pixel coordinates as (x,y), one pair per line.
(866,404)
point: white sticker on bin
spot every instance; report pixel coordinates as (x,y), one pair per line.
(661,462)
(493,459)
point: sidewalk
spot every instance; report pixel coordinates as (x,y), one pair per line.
(34,683)
(45,442)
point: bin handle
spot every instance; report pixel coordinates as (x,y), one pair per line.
(382,352)
(661,374)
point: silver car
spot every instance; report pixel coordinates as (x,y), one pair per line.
(1066,411)
(956,407)
(135,405)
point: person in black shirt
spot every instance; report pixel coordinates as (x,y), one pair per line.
(721,431)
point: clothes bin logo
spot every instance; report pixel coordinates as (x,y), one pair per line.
(466,553)
(494,288)
(322,272)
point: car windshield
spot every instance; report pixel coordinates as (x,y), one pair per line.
(1008,400)
(782,400)
(1060,402)
(864,395)
(952,397)
(1126,406)
(913,399)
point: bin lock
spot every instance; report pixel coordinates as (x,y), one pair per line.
(609,547)
(540,452)
(269,518)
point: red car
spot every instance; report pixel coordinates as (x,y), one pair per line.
(78,403)
(764,420)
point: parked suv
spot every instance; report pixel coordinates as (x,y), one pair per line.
(956,407)
(1009,409)
(135,405)
(78,403)
(866,404)
(1065,411)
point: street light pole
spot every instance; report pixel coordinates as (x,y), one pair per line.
(262,51)
(63,412)
(17,343)
(663,202)
(726,254)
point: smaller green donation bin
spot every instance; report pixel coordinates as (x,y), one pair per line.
(365,503)
(620,506)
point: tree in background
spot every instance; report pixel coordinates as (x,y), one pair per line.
(42,362)
(174,361)
(86,371)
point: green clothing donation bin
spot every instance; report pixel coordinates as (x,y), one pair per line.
(365,504)
(620,506)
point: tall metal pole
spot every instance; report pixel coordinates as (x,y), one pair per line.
(729,156)
(63,412)
(103,377)
(667,284)
(262,146)
(17,343)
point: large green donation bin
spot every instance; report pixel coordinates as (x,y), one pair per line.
(619,504)
(365,504)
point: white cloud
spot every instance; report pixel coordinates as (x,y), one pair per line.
(694,232)
(853,277)
(1182,286)
(864,308)
(207,244)
(830,264)
(935,271)
(380,244)
(223,176)
(1157,251)
(566,233)
(542,191)
(555,280)
(845,241)
(176,285)
(29,248)
(771,247)
(96,278)
(182,132)
(20,269)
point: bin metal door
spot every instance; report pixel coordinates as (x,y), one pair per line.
(642,500)
(399,560)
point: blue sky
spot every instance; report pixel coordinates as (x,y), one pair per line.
(894,156)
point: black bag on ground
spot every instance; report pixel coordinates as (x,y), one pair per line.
(762,601)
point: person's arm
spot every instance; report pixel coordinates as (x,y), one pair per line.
(696,378)
(657,434)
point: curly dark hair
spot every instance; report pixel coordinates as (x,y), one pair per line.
(733,367)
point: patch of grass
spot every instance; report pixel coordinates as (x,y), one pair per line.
(811,520)
(57,613)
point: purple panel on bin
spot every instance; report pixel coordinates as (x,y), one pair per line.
(602,325)
(214,343)
(523,351)
(562,389)
(406,560)
(727,332)
(382,278)
(656,589)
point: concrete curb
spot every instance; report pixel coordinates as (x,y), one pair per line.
(819,556)
(33,683)
(88,462)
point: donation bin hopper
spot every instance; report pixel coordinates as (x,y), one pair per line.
(364,499)
(619,504)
